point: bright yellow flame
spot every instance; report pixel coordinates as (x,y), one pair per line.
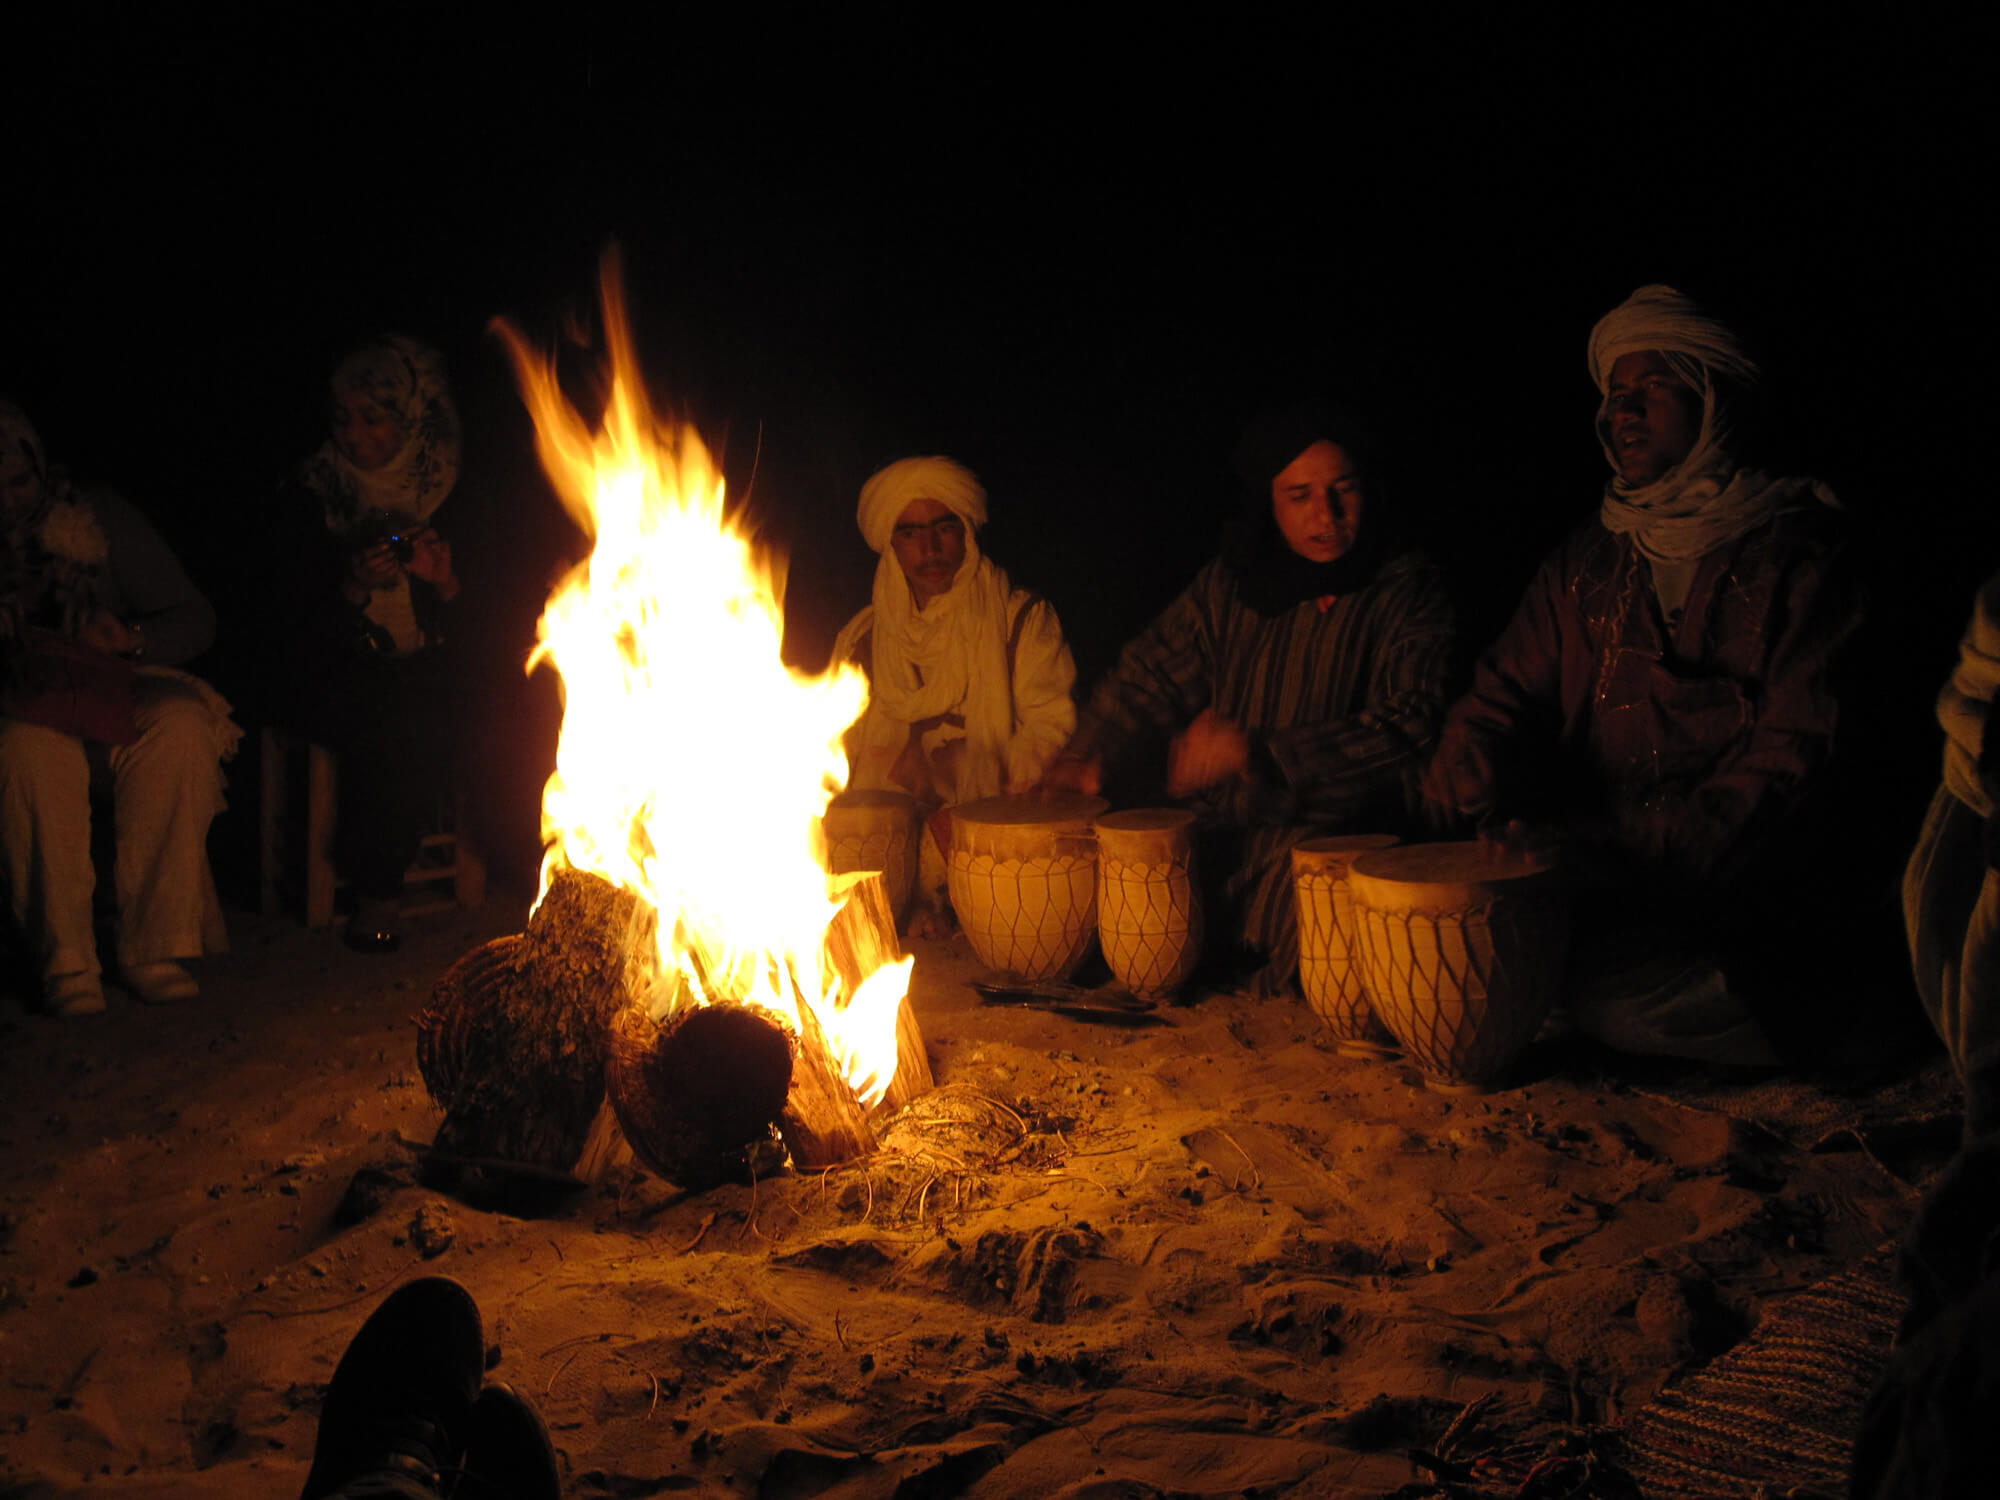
(693,765)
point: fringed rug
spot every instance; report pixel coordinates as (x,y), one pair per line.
(1777,1415)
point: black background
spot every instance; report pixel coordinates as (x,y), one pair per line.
(1072,253)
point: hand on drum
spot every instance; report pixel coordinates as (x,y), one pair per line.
(1209,750)
(1455,791)
(1070,775)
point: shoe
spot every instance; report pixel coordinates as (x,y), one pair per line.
(507,1451)
(159,984)
(372,928)
(74,994)
(401,1398)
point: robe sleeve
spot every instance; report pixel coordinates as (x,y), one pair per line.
(1162,679)
(1044,694)
(1367,763)
(1765,776)
(154,590)
(1516,692)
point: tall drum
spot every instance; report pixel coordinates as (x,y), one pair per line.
(1330,970)
(1023,878)
(876,830)
(1148,907)
(1463,948)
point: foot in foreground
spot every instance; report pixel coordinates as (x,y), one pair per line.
(159,983)
(404,1415)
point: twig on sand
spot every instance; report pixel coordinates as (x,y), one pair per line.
(1257,1177)
(707,1223)
(1467,1415)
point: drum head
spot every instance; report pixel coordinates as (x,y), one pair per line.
(1147,820)
(873,797)
(1467,863)
(1029,812)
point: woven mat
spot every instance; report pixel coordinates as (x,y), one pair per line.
(1777,1415)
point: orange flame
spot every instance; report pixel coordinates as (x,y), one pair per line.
(693,765)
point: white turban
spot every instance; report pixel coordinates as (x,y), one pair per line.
(1706,500)
(1658,317)
(888,494)
(951,655)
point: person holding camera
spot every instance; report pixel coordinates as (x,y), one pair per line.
(377,685)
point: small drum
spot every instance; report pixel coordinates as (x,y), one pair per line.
(870,830)
(1148,909)
(1023,880)
(1462,949)
(1329,952)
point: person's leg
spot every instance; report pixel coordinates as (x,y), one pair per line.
(45,840)
(167,789)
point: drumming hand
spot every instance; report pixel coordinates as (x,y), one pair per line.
(373,569)
(430,560)
(912,770)
(108,633)
(1071,774)
(946,762)
(1455,788)
(1209,750)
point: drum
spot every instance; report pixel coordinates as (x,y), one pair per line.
(871,830)
(1148,907)
(1329,954)
(1462,951)
(1023,881)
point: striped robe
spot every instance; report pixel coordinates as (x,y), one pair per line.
(1341,705)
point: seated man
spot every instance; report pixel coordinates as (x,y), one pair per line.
(969,678)
(1951,888)
(1660,702)
(1300,677)
(95,612)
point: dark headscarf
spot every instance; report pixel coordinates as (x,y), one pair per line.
(1271,577)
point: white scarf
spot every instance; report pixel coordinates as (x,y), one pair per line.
(1705,501)
(951,655)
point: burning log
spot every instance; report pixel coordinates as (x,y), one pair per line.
(514,1042)
(860,940)
(693,1093)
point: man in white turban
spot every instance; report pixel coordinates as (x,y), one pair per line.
(969,677)
(1660,702)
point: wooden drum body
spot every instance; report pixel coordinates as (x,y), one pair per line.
(1023,880)
(1148,907)
(876,830)
(1463,950)
(1330,968)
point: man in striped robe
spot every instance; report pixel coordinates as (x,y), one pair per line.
(1298,682)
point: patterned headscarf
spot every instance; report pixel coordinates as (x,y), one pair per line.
(1705,500)
(407,378)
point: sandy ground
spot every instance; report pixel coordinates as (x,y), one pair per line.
(1205,1256)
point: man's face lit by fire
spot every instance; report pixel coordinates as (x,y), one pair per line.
(1651,417)
(367,434)
(929,541)
(1317,501)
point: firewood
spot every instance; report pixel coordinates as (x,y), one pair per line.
(823,1123)
(693,1092)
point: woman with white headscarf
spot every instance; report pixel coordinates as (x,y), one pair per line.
(372,615)
(1662,701)
(969,677)
(96,617)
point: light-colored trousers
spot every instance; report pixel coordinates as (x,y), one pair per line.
(166,788)
(1951,913)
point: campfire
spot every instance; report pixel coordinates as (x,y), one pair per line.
(690,974)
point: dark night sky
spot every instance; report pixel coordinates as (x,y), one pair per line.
(1071,254)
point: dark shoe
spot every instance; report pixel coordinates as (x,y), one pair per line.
(401,1399)
(372,928)
(507,1451)
(364,939)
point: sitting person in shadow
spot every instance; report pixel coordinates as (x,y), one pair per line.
(360,655)
(96,618)
(1663,708)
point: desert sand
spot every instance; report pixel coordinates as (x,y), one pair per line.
(1203,1255)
